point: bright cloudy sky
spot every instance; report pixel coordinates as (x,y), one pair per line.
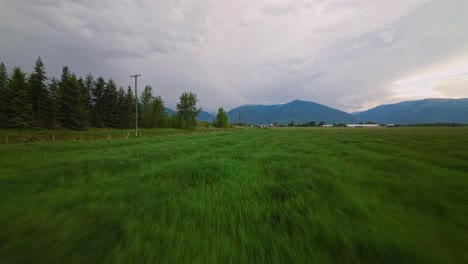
(347,54)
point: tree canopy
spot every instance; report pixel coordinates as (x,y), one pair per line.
(73,102)
(221,118)
(152,109)
(187,110)
(17,107)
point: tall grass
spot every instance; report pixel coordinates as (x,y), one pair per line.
(30,135)
(258,195)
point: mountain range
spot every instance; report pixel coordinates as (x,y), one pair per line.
(297,111)
(418,112)
(203,116)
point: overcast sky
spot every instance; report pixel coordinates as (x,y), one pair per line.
(347,54)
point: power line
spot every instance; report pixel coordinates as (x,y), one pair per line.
(136,103)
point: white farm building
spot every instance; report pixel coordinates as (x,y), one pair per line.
(362,125)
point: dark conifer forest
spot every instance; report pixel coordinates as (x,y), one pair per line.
(73,102)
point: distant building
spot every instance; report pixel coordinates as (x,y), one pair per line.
(327,125)
(362,125)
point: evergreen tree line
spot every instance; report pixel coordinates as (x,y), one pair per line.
(306,124)
(72,102)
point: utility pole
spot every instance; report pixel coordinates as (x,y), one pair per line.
(239,119)
(136,103)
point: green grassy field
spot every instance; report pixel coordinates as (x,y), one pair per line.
(256,195)
(27,136)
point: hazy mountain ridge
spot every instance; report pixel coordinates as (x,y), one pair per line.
(418,112)
(296,111)
(203,116)
(439,110)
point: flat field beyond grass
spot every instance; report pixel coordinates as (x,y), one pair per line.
(257,195)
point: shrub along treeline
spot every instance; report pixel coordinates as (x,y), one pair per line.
(72,102)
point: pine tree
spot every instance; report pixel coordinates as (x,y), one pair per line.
(54,98)
(130,106)
(153,113)
(39,95)
(146,106)
(121,96)
(18,108)
(110,99)
(88,86)
(72,113)
(3,94)
(62,96)
(3,77)
(97,117)
(83,103)
(125,113)
(159,111)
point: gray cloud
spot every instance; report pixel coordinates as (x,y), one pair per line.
(346,54)
(454,88)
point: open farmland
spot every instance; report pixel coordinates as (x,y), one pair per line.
(258,195)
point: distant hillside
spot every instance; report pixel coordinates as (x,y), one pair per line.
(296,111)
(203,116)
(169,111)
(418,112)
